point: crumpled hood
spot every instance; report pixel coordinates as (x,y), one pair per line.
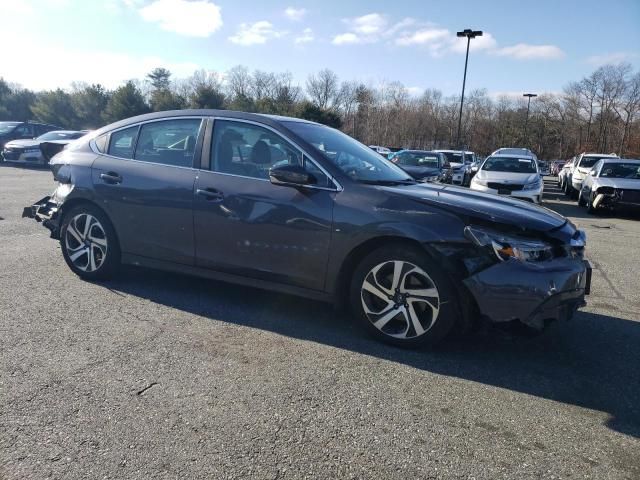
(22,143)
(485,206)
(624,183)
(507,177)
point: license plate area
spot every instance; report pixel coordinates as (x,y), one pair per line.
(504,191)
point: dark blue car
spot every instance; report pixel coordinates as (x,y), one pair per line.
(422,165)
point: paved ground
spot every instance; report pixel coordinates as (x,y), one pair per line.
(162,376)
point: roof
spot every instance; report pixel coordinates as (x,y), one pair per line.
(271,120)
(609,155)
(621,160)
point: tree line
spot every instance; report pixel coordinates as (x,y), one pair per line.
(596,113)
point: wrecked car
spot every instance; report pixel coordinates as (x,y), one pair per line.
(611,184)
(297,207)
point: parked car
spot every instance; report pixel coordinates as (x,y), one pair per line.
(563,174)
(509,175)
(30,151)
(460,162)
(422,165)
(611,184)
(384,151)
(22,131)
(333,222)
(579,169)
(556,166)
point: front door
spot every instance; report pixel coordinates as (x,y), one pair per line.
(246,225)
(145,183)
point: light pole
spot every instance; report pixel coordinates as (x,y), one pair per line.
(469,34)
(526,122)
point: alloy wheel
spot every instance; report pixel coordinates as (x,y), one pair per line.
(400,299)
(86,242)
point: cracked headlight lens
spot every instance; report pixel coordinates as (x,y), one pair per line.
(506,247)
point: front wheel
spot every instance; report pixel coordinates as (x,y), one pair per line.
(89,243)
(400,297)
(581,201)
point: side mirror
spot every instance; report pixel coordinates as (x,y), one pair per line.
(593,172)
(293,175)
(446,165)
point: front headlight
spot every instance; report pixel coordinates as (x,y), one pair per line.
(506,247)
(533,185)
(479,181)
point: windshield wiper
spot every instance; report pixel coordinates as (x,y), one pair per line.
(388,183)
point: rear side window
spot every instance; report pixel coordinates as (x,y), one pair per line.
(122,142)
(169,142)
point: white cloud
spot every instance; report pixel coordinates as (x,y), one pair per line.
(255,33)
(423,36)
(346,39)
(306,37)
(611,58)
(485,42)
(295,14)
(199,18)
(107,68)
(365,29)
(523,51)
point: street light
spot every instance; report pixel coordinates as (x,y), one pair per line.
(469,34)
(526,122)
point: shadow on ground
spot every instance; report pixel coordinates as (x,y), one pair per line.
(592,361)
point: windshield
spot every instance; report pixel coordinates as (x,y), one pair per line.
(453,157)
(6,127)
(355,159)
(419,159)
(509,164)
(59,136)
(588,162)
(621,170)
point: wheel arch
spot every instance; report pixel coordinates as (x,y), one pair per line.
(72,203)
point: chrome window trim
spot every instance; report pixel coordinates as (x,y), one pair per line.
(139,125)
(338,186)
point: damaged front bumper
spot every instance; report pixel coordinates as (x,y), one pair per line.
(45,211)
(531,293)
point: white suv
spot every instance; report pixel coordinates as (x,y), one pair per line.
(580,169)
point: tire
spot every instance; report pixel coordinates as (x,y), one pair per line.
(417,309)
(581,201)
(92,252)
(589,204)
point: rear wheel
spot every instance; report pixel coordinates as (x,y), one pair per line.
(89,243)
(401,297)
(581,201)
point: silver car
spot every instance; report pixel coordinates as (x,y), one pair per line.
(28,151)
(611,183)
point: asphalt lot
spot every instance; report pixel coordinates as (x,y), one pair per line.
(156,375)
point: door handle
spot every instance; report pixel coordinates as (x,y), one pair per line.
(210,194)
(111,177)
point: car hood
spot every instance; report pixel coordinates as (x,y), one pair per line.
(625,183)
(484,206)
(507,177)
(22,143)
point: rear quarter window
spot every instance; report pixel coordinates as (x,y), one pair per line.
(122,142)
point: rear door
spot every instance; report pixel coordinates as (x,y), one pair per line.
(248,226)
(145,182)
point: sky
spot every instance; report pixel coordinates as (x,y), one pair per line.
(50,43)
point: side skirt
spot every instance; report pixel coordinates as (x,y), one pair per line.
(141,261)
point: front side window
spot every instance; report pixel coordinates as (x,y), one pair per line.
(25,131)
(355,159)
(122,142)
(169,142)
(248,150)
(510,164)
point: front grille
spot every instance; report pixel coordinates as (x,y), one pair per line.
(504,186)
(629,196)
(12,154)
